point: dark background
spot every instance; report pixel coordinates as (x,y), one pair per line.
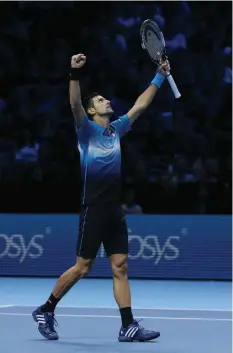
(177,159)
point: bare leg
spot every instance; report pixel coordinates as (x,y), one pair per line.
(71,276)
(66,281)
(121,287)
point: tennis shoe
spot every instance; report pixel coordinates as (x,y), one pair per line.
(46,323)
(135,332)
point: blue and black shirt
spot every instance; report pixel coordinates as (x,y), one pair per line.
(100,159)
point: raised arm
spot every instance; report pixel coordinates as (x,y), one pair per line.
(147,96)
(77,61)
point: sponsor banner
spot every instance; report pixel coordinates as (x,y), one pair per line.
(184,247)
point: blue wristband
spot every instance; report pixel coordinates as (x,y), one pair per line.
(158,80)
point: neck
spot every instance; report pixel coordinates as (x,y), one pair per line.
(102,120)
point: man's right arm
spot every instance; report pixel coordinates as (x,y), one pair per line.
(77,61)
(76,103)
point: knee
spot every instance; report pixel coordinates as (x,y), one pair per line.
(82,267)
(119,268)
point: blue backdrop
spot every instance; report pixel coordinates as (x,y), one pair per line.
(185,247)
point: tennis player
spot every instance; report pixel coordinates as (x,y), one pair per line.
(101,219)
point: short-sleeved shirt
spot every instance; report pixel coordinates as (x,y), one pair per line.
(100,159)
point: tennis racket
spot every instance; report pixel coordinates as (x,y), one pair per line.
(152,40)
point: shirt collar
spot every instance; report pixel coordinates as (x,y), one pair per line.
(104,130)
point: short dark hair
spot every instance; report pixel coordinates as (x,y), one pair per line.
(88,100)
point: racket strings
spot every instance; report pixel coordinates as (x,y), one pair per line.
(155,50)
(153,43)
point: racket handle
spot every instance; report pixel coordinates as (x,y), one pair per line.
(173,85)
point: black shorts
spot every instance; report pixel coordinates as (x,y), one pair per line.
(102,223)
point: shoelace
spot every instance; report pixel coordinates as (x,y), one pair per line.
(52,321)
(139,326)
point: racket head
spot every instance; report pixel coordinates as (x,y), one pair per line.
(152,41)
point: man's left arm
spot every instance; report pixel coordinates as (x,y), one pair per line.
(148,95)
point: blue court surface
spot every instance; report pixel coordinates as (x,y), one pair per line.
(190,324)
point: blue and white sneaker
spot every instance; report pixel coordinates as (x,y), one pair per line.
(135,332)
(46,325)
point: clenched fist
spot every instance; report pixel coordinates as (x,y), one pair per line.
(77,61)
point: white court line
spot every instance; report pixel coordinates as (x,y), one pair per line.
(7,306)
(135,308)
(117,317)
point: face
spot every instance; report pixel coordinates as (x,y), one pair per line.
(102,106)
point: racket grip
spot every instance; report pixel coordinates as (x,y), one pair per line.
(173,85)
